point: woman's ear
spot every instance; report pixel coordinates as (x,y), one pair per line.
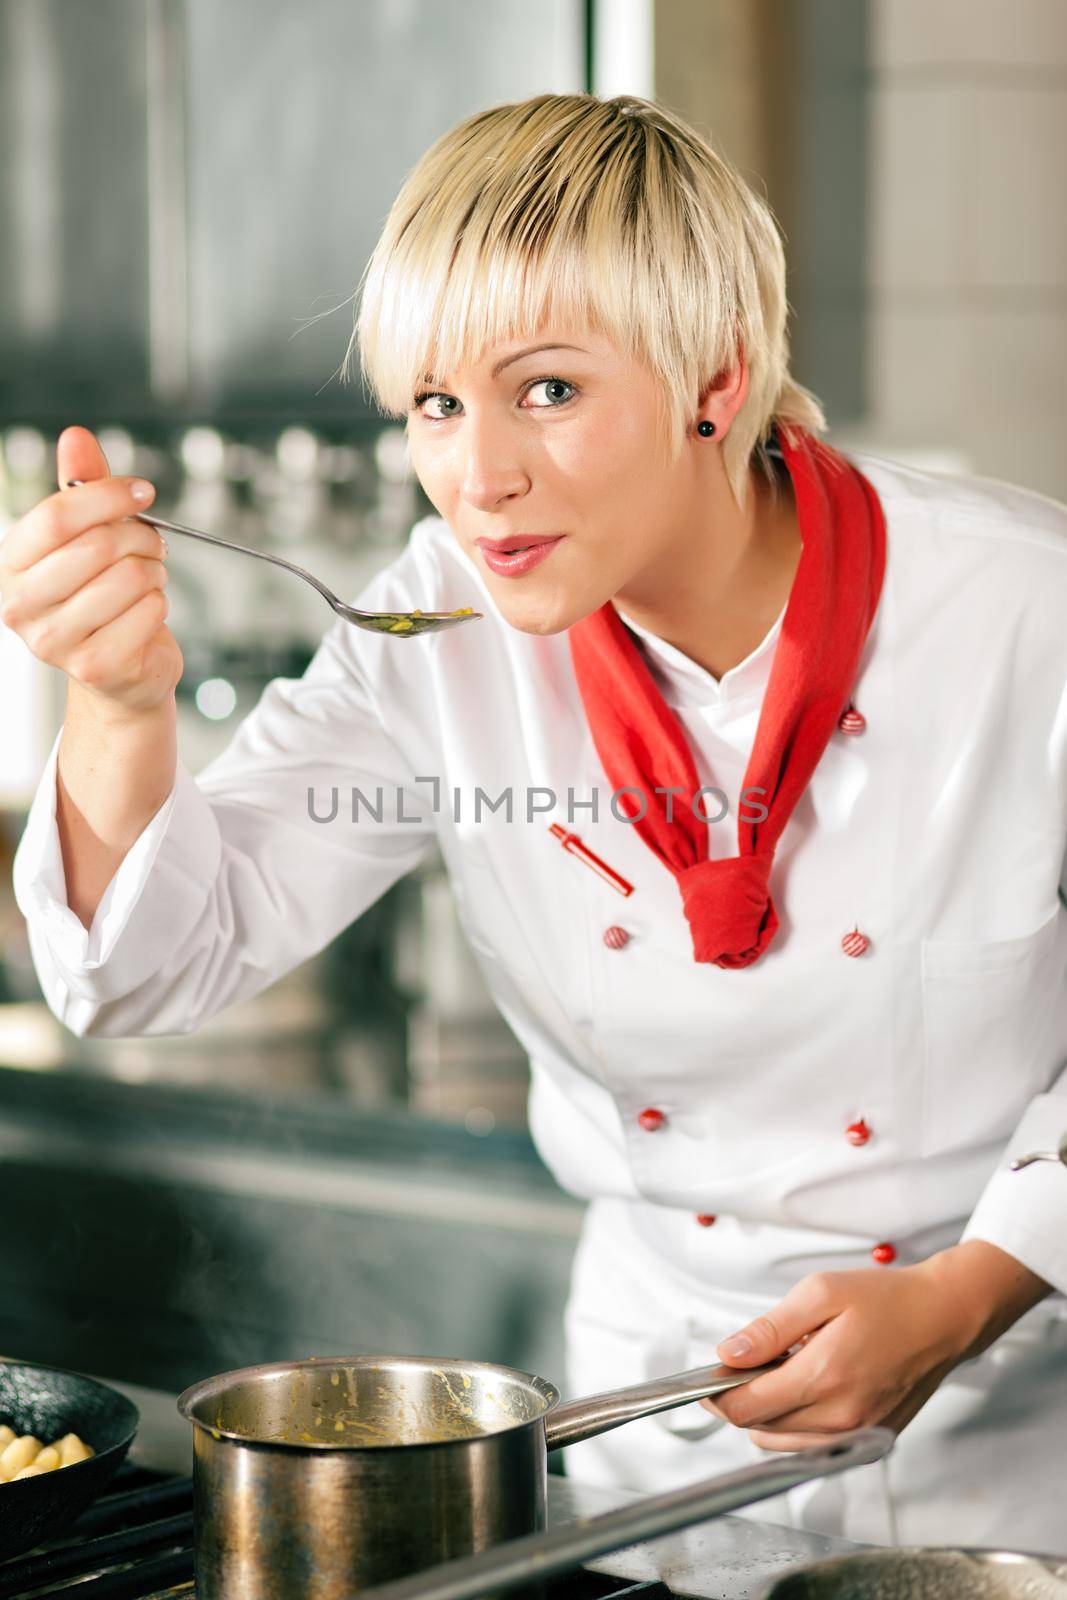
(730,388)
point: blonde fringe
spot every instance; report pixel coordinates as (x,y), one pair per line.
(611,214)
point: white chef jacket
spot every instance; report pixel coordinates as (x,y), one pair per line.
(938,832)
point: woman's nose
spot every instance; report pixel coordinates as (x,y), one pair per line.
(491,470)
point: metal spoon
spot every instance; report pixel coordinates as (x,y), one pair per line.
(399,624)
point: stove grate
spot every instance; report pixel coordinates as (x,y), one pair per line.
(137,1544)
(166,1546)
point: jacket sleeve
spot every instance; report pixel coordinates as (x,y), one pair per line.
(1025,1212)
(302,823)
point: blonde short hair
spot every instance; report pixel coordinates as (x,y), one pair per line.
(609,214)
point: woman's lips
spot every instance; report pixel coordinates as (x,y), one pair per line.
(518,562)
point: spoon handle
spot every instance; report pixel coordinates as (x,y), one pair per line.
(242,549)
(401,624)
(228,544)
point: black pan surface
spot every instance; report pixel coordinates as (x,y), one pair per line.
(49,1402)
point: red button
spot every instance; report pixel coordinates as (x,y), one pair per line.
(855,943)
(651,1119)
(884,1254)
(852,721)
(615,938)
(857,1132)
(705,1219)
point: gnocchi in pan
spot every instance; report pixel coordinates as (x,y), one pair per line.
(24,1456)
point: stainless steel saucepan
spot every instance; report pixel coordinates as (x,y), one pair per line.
(319,1478)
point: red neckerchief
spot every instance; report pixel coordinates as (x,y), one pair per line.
(642,744)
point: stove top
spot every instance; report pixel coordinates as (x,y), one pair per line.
(136,1542)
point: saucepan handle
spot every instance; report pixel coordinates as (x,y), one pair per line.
(576,1420)
(544,1555)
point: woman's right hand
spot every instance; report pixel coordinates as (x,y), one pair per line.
(83,584)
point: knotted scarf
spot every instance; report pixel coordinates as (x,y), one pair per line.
(642,745)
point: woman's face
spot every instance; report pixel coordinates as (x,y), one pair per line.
(560,442)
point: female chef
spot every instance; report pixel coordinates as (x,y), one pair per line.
(808,710)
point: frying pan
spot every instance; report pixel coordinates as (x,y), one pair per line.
(49,1402)
(926,1573)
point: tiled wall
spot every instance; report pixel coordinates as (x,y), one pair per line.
(968,233)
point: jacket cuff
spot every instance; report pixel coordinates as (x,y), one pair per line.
(1025,1213)
(180,848)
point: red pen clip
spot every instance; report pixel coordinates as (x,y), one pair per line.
(571,842)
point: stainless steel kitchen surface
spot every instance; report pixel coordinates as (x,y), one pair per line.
(214,1230)
(252,151)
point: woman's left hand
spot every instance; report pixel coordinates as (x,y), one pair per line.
(873,1344)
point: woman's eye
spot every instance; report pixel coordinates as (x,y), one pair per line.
(447,400)
(550,384)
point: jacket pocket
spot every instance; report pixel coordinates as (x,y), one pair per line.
(988,1006)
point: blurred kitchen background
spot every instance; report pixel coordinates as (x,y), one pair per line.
(189,190)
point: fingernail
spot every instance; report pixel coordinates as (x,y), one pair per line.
(739,1345)
(166,546)
(141,491)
